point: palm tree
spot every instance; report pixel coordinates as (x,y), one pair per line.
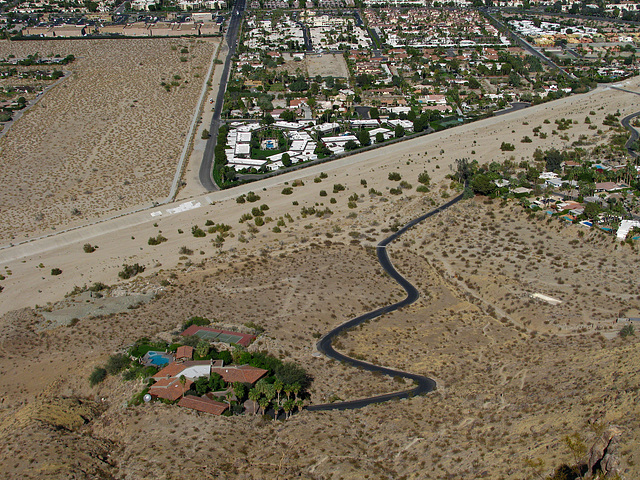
(296,388)
(288,389)
(276,409)
(288,406)
(264,403)
(278,385)
(228,397)
(254,396)
(183,382)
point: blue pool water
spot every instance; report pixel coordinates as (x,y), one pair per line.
(270,144)
(159,359)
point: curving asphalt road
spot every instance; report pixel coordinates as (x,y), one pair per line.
(206,167)
(626,123)
(422,384)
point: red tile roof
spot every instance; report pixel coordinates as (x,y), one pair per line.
(174,369)
(184,351)
(169,388)
(243,373)
(203,404)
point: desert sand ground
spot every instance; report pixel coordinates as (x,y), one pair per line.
(125,239)
(107,138)
(325,64)
(505,393)
(514,375)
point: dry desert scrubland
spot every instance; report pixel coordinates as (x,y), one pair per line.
(515,375)
(107,138)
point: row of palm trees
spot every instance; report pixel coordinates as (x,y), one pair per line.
(266,395)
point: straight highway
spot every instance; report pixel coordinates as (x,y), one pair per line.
(206,167)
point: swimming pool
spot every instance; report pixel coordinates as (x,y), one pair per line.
(270,144)
(157,359)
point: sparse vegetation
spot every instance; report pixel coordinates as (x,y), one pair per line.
(129,271)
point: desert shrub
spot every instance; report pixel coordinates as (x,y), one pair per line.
(156,240)
(245,217)
(406,185)
(116,363)
(287,191)
(424,178)
(199,321)
(205,134)
(257,212)
(323,193)
(422,189)
(129,271)
(255,327)
(264,207)
(56,271)
(507,147)
(259,221)
(88,248)
(241,199)
(627,330)
(338,187)
(526,139)
(276,229)
(252,197)
(395,191)
(395,176)
(196,231)
(98,287)
(185,251)
(97,376)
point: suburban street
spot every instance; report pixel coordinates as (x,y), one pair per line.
(228,50)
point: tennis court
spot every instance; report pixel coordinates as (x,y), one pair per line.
(218,336)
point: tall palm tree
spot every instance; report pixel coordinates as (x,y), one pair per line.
(183,382)
(278,385)
(254,396)
(288,389)
(264,403)
(288,407)
(296,388)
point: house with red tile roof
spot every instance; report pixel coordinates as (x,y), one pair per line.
(242,374)
(169,388)
(191,369)
(184,352)
(203,404)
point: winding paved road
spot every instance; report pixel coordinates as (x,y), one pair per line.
(626,123)
(422,384)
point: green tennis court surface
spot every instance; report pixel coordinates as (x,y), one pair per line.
(218,336)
